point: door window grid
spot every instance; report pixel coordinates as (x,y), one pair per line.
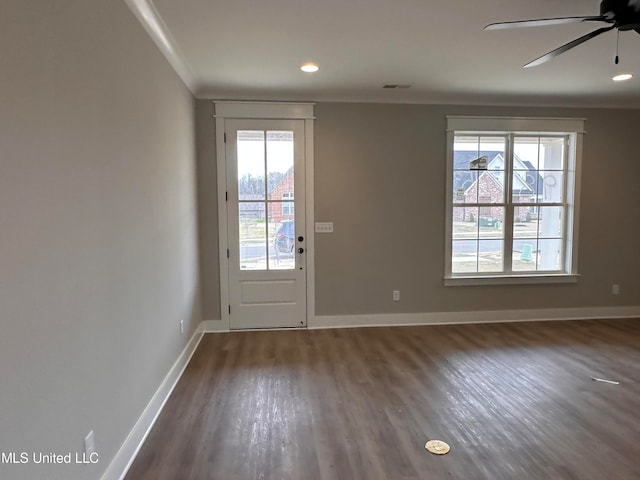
(266,222)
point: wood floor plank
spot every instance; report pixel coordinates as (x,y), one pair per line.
(514,401)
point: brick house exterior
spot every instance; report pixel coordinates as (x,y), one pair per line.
(487,186)
(488,190)
(283,190)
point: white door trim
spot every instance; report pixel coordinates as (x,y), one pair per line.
(262,110)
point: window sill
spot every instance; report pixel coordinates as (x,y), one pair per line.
(510,280)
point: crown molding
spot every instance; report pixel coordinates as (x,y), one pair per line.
(154,25)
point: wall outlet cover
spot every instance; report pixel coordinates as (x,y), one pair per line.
(324,227)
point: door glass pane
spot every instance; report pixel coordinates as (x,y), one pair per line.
(282,238)
(253,236)
(287,207)
(280,164)
(251,166)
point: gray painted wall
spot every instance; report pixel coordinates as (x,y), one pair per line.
(208,209)
(380,177)
(99,237)
(98,228)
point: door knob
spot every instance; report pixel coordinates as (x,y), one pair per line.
(301,250)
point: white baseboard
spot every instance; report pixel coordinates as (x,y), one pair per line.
(451,318)
(489,316)
(126,455)
(214,326)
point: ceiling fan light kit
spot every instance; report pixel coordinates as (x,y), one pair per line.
(619,14)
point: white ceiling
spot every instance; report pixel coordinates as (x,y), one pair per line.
(253,49)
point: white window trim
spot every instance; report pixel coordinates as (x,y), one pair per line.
(516,124)
(520,125)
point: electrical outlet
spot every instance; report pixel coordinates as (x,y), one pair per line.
(181,327)
(615,289)
(89,444)
(396,295)
(324,227)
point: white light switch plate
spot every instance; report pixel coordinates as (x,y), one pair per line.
(324,227)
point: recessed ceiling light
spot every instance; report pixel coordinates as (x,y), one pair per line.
(309,68)
(622,77)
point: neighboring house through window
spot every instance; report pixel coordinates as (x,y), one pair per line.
(287,207)
(512,200)
(282,198)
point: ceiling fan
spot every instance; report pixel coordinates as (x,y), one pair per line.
(620,14)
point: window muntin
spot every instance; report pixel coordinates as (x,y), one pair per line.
(510,217)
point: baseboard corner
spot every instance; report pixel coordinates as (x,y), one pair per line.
(129,449)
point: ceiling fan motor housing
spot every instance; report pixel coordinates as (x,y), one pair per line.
(624,14)
(615,14)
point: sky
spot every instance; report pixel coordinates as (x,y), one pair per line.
(251,153)
(525,149)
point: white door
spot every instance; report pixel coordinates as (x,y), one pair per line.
(266,223)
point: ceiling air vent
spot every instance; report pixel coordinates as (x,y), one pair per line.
(396,85)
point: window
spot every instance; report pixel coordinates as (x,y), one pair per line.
(287,207)
(512,200)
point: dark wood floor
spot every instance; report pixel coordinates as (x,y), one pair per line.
(514,401)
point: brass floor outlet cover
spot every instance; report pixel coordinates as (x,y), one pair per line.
(437,447)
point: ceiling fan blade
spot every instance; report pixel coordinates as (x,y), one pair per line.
(568,46)
(542,22)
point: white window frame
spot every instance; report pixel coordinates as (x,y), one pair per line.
(574,129)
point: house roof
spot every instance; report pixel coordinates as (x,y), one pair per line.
(527,179)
